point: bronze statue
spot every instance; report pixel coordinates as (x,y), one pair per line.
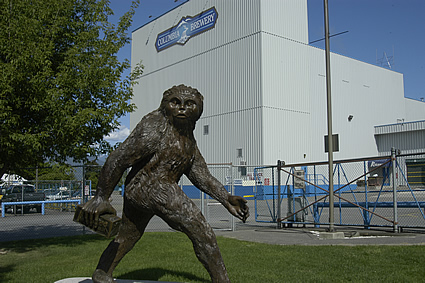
(159,151)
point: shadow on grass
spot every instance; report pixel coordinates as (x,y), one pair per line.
(4,270)
(11,231)
(155,274)
(23,246)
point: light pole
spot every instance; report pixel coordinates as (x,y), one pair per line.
(329,112)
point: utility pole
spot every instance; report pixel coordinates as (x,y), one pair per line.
(329,112)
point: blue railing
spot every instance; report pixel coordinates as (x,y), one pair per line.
(43,203)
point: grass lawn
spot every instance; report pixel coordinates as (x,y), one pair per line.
(168,256)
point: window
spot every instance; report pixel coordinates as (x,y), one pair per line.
(239,152)
(206,129)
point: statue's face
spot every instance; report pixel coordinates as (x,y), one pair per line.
(183,107)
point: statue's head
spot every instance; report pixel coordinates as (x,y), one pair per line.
(182,105)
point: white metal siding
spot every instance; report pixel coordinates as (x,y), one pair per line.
(285,74)
(407,137)
(370,94)
(236,19)
(287,19)
(400,127)
(415,110)
(264,87)
(223,64)
(227,133)
(286,136)
(286,100)
(406,142)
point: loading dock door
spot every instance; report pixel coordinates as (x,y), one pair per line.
(416,172)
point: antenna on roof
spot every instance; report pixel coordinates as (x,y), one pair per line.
(385,61)
(314,41)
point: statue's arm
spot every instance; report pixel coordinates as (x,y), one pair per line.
(136,147)
(201,177)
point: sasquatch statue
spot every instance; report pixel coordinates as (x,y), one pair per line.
(159,151)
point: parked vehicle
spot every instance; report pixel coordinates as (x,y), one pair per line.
(61,194)
(1,191)
(17,193)
(77,195)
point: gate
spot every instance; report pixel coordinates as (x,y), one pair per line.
(384,191)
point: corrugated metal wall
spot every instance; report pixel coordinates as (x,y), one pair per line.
(406,137)
(400,127)
(287,19)
(370,94)
(222,63)
(414,109)
(264,87)
(295,104)
(286,100)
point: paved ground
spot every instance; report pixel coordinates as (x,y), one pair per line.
(58,223)
(313,236)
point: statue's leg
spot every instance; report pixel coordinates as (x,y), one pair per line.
(183,215)
(131,230)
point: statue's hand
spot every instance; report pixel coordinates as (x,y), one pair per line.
(238,207)
(92,210)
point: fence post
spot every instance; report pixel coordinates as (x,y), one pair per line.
(394,165)
(203,208)
(366,219)
(232,191)
(279,212)
(36,178)
(83,192)
(83,187)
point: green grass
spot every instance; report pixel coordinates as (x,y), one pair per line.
(169,257)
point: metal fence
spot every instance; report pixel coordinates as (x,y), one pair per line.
(214,212)
(381,191)
(55,217)
(62,196)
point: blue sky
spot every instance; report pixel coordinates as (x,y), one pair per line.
(395,28)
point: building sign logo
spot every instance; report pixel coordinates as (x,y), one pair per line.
(186,28)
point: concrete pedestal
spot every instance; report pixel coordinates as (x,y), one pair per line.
(331,235)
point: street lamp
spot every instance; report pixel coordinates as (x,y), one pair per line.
(329,119)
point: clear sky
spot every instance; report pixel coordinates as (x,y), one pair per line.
(394,29)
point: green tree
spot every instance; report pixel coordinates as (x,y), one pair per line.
(61,86)
(55,172)
(92,171)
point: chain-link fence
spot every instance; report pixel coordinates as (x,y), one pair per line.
(370,192)
(218,217)
(62,196)
(58,202)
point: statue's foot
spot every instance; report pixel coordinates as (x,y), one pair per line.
(100,276)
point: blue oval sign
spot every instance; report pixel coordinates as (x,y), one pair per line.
(186,29)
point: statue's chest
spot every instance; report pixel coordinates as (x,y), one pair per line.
(177,150)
